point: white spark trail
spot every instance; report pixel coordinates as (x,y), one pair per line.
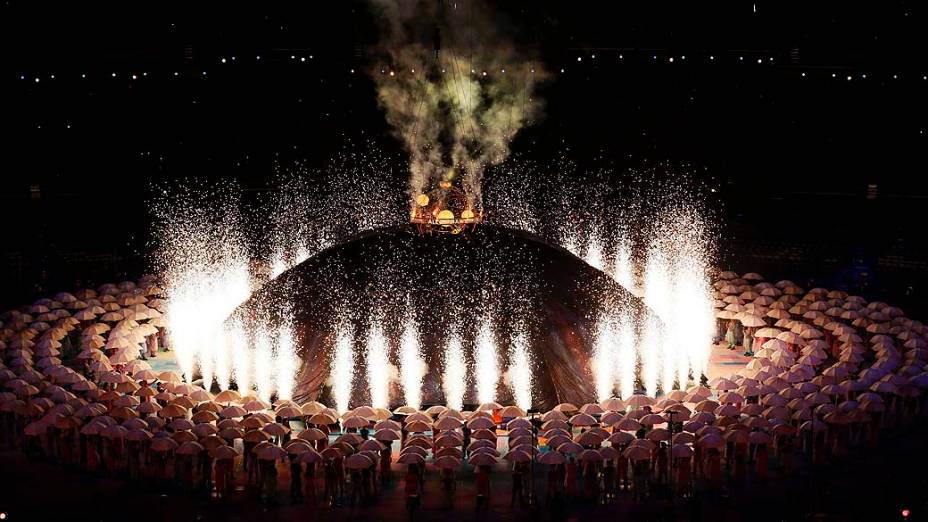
(264,362)
(342,371)
(285,361)
(454,380)
(486,363)
(602,361)
(520,370)
(378,366)
(412,365)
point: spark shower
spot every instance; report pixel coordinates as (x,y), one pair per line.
(208,273)
(477,80)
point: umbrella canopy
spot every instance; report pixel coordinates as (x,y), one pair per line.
(233,412)
(138,435)
(297,446)
(172,410)
(518,456)
(483,434)
(415,458)
(627,424)
(310,456)
(358,461)
(639,401)
(710,441)
(454,452)
(164,444)
(637,453)
(651,419)
(480,423)
(447,462)
(227,396)
(321,419)
(554,415)
(612,404)
(481,459)
(256,436)
(552,457)
(590,456)
(419,427)
(569,447)
(589,438)
(289,412)
(356,422)
(445,424)
(276,430)
(583,419)
(372,445)
(681,451)
(511,412)
(387,435)
(272,452)
(223,452)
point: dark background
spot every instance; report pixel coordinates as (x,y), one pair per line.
(816,152)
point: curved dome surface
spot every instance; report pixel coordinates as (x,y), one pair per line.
(449,285)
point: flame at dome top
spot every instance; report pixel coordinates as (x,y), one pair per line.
(446,209)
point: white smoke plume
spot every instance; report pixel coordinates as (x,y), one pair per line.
(454,88)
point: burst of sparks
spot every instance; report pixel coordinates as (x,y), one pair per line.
(594,253)
(264,363)
(205,271)
(603,358)
(454,380)
(412,365)
(520,371)
(241,357)
(649,350)
(342,372)
(661,252)
(378,367)
(626,355)
(486,363)
(223,360)
(286,362)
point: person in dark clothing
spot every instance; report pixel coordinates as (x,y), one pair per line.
(296,480)
(465,431)
(517,487)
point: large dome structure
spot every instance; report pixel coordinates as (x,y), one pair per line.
(448,285)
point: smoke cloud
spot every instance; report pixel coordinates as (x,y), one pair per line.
(454,88)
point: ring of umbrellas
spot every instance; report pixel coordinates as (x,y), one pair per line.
(829,372)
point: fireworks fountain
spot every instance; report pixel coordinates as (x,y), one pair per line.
(342,373)
(663,349)
(223,360)
(241,355)
(622,270)
(454,380)
(594,253)
(285,361)
(203,288)
(649,351)
(625,355)
(264,363)
(520,370)
(378,366)
(206,260)
(412,365)
(603,361)
(486,363)
(660,248)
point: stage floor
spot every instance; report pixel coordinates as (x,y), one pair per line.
(724,362)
